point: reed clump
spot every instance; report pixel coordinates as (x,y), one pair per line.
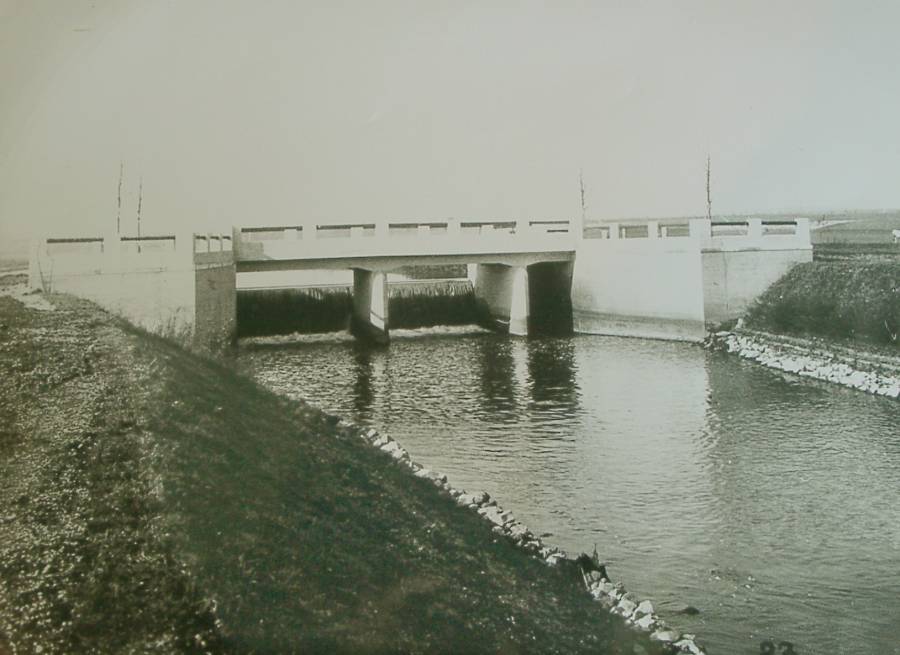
(268,312)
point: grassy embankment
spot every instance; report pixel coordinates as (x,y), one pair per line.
(857,300)
(155,501)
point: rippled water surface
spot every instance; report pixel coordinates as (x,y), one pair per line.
(769,502)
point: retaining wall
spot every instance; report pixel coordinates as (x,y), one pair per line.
(669,279)
(733,279)
(180,286)
(639,287)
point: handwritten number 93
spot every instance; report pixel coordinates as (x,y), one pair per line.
(784,648)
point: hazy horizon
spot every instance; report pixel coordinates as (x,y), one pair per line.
(238,113)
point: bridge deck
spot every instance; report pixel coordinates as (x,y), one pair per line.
(389,246)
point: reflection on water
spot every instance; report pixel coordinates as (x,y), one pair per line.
(769,502)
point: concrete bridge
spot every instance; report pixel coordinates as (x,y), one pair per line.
(501,256)
(664,279)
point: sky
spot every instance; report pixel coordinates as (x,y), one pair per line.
(283,112)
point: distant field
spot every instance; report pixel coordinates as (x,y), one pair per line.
(858,229)
(12,264)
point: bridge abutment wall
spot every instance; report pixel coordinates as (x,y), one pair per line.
(733,279)
(670,279)
(639,287)
(178,286)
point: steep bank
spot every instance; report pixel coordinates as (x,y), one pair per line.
(819,359)
(836,321)
(853,300)
(155,501)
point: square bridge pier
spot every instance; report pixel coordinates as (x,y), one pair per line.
(516,299)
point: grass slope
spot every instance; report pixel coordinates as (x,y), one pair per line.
(856,299)
(155,501)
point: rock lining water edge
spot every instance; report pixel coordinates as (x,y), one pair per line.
(637,615)
(808,361)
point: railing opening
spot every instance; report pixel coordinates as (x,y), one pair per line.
(268,233)
(779,227)
(729,228)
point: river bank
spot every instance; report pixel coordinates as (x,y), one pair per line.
(157,501)
(854,301)
(819,359)
(835,321)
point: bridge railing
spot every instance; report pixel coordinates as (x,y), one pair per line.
(402,227)
(338,238)
(98,254)
(667,229)
(748,233)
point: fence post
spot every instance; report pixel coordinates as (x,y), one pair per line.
(700,228)
(802,231)
(754,228)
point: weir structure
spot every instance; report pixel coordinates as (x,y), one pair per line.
(661,279)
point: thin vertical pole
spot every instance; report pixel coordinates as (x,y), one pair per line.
(140,202)
(119,200)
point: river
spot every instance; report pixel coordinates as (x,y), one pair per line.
(769,502)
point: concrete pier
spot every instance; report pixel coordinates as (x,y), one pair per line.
(503,292)
(369,319)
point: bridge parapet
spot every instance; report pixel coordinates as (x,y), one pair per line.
(400,238)
(748,234)
(709,236)
(119,253)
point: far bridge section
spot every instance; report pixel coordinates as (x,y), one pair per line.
(670,279)
(515,266)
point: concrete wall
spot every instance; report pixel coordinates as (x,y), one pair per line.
(639,287)
(160,301)
(153,289)
(215,304)
(733,279)
(175,286)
